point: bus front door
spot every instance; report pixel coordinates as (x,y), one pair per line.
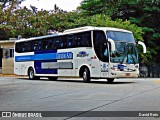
(95,66)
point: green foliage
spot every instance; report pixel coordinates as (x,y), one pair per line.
(10,3)
(29,22)
(139,16)
(144,13)
(93,7)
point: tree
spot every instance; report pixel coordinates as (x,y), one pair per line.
(146,14)
(26,22)
(93,7)
(11,4)
(7,8)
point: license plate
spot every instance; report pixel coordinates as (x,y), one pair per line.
(127,74)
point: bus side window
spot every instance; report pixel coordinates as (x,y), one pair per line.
(87,39)
(29,49)
(63,42)
(75,41)
(39,45)
(53,44)
(70,40)
(50,44)
(61,45)
(35,45)
(78,40)
(25,47)
(45,44)
(57,43)
(18,48)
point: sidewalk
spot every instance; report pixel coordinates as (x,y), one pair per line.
(8,75)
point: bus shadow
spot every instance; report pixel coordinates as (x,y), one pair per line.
(81,81)
(97,82)
(27,79)
(115,82)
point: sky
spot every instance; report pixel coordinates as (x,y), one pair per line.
(67,5)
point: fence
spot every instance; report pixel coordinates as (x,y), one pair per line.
(150,70)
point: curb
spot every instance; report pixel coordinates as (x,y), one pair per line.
(8,75)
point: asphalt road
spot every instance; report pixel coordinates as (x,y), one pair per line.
(80,99)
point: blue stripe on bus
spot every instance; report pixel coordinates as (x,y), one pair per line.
(47,56)
(39,70)
(44,56)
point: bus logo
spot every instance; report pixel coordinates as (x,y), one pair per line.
(65,55)
(6,114)
(82,54)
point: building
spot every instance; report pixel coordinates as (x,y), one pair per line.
(7,56)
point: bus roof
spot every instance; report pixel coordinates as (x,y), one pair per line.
(76,30)
(87,28)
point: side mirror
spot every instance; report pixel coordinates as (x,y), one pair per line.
(113,46)
(143,45)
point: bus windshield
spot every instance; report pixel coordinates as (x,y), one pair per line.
(126,51)
(121,36)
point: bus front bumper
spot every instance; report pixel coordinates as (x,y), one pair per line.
(124,74)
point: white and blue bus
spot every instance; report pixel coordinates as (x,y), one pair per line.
(87,52)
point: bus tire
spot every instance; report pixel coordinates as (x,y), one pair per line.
(31,74)
(110,80)
(86,75)
(52,78)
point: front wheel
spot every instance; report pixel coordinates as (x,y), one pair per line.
(110,80)
(86,75)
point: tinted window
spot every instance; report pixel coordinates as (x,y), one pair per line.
(57,43)
(61,42)
(87,40)
(100,45)
(34,45)
(83,39)
(78,41)
(18,47)
(120,36)
(70,41)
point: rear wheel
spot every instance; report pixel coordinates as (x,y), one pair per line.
(31,74)
(52,78)
(86,75)
(110,80)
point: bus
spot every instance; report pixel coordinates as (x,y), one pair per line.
(87,52)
